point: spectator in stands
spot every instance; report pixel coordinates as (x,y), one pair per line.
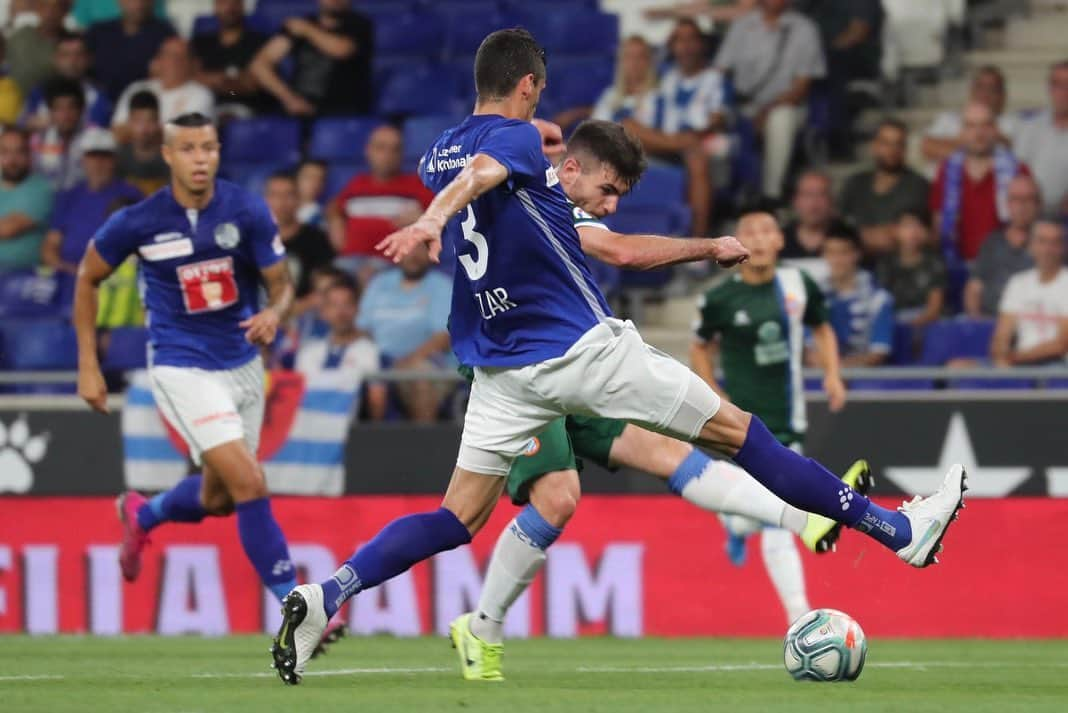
(1005,252)
(80,211)
(914,274)
(374,204)
(633,95)
(72,61)
(1042,141)
(31,47)
(311,187)
(223,59)
(331,53)
(178,93)
(123,48)
(773,54)
(10,94)
(57,151)
(945,136)
(344,352)
(814,220)
(970,194)
(25,203)
(406,311)
(861,312)
(140,161)
(90,12)
(875,198)
(728,11)
(307,247)
(852,42)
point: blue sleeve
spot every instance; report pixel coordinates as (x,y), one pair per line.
(116,239)
(264,241)
(516,145)
(441,304)
(882,327)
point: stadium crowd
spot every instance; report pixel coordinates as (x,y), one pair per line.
(326,105)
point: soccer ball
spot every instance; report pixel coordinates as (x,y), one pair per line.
(825,645)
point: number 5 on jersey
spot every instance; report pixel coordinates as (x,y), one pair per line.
(474,267)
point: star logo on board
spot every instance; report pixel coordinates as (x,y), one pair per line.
(983,481)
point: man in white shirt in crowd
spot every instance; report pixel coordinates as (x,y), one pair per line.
(173,85)
(945,135)
(1042,142)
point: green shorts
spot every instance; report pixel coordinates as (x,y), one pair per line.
(556,447)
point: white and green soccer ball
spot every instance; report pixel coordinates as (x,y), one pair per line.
(825,645)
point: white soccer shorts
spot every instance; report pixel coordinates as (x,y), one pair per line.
(211,407)
(610,372)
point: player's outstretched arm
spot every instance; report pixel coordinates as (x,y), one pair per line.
(826,344)
(91,272)
(261,328)
(648,252)
(480,176)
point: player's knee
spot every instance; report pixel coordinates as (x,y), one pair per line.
(217,503)
(556,505)
(249,487)
(726,431)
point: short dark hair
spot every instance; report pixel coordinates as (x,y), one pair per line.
(191,120)
(608,142)
(19,131)
(72,37)
(62,87)
(330,271)
(892,122)
(759,205)
(917,212)
(345,281)
(311,162)
(991,70)
(144,99)
(282,176)
(841,230)
(504,58)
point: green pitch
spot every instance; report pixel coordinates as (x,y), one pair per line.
(150,675)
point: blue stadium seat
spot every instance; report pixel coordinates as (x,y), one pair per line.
(891,384)
(999,384)
(951,339)
(27,294)
(126,349)
(463,74)
(263,140)
(209,24)
(379,8)
(253,176)
(466,25)
(564,29)
(421,131)
(956,278)
(903,351)
(576,81)
(276,12)
(549,5)
(660,186)
(608,277)
(664,220)
(408,34)
(422,91)
(39,344)
(1056,384)
(341,138)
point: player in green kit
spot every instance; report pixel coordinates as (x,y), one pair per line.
(600,163)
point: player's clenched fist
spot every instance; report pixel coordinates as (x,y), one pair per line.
(729,252)
(397,245)
(93,389)
(261,328)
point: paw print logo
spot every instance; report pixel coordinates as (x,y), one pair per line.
(18,452)
(844,496)
(281,567)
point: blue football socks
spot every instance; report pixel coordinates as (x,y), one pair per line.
(179,504)
(265,546)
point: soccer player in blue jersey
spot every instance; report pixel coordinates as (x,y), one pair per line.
(205,248)
(528,316)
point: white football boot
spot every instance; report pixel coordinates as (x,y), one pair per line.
(303,623)
(930,517)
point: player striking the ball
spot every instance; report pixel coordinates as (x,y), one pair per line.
(599,163)
(205,246)
(527,315)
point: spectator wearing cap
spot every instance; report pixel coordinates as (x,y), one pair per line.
(10,94)
(970,194)
(178,93)
(123,48)
(1042,142)
(861,312)
(223,58)
(57,152)
(814,219)
(80,211)
(140,160)
(914,274)
(374,204)
(71,61)
(30,48)
(25,203)
(945,136)
(875,198)
(774,54)
(1005,251)
(331,53)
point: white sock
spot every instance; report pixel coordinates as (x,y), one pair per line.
(725,488)
(512,567)
(783,562)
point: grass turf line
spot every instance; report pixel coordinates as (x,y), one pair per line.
(158,675)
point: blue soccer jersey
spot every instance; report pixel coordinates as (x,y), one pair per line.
(522,292)
(200,271)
